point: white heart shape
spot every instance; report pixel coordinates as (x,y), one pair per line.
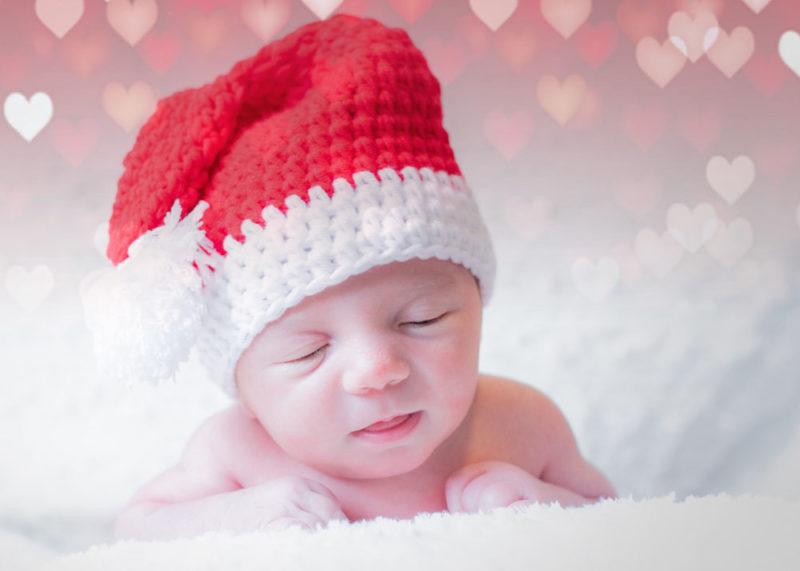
(29,288)
(730,180)
(28,117)
(322,8)
(659,254)
(757,5)
(692,229)
(710,37)
(789,50)
(731,242)
(493,12)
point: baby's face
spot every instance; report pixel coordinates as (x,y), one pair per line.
(367,378)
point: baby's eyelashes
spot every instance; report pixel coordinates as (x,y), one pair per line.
(425,322)
(309,356)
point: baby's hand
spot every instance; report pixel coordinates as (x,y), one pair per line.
(487,485)
(282,503)
(493,484)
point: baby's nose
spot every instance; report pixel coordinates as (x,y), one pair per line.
(374,369)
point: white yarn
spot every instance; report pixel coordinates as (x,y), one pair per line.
(322,242)
(146,312)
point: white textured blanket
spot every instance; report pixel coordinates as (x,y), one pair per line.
(714,532)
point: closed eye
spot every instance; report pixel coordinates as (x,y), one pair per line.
(426,322)
(310,356)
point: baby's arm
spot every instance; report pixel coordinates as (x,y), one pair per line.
(547,467)
(197,496)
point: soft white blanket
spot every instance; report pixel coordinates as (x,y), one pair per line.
(713,532)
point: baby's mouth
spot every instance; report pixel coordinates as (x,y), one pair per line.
(386,424)
(389,429)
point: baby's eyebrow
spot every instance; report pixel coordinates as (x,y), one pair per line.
(435,281)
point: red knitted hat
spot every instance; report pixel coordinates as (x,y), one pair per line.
(321,156)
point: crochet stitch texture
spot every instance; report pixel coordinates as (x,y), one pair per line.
(319,157)
(333,98)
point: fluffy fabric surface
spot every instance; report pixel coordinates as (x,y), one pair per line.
(712,532)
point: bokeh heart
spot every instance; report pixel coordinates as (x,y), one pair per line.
(447,59)
(731,242)
(566,16)
(29,288)
(322,8)
(410,10)
(757,5)
(638,20)
(730,179)
(561,100)
(132,20)
(692,35)
(661,62)
(265,19)
(160,51)
(730,52)
(789,50)
(596,43)
(59,16)
(658,254)
(207,31)
(507,134)
(85,54)
(516,47)
(692,228)
(28,116)
(129,107)
(74,140)
(767,73)
(493,13)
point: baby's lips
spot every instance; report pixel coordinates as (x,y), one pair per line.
(386,424)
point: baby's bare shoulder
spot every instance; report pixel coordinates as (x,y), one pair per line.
(228,436)
(525,421)
(511,398)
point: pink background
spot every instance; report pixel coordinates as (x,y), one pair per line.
(681,377)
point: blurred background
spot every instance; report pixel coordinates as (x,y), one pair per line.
(637,163)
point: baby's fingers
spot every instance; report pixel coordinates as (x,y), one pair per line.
(456,485)
(485,485)
(320,502)
(491,495)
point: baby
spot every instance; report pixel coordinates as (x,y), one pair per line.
(302,222)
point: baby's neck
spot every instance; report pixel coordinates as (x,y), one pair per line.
(401,496)
(407,494)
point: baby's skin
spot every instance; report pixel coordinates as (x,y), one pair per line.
(365,400)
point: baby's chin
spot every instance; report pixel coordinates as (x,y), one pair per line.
(378,470)
(378,464)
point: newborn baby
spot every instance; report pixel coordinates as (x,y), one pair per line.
(365,400)
(304,225)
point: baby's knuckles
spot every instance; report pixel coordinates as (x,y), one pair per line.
(279,504)
(487,485)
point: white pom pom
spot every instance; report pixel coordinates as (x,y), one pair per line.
(146,313)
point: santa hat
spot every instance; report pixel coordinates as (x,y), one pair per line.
(316,159)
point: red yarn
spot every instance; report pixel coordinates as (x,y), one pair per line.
(331,99)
